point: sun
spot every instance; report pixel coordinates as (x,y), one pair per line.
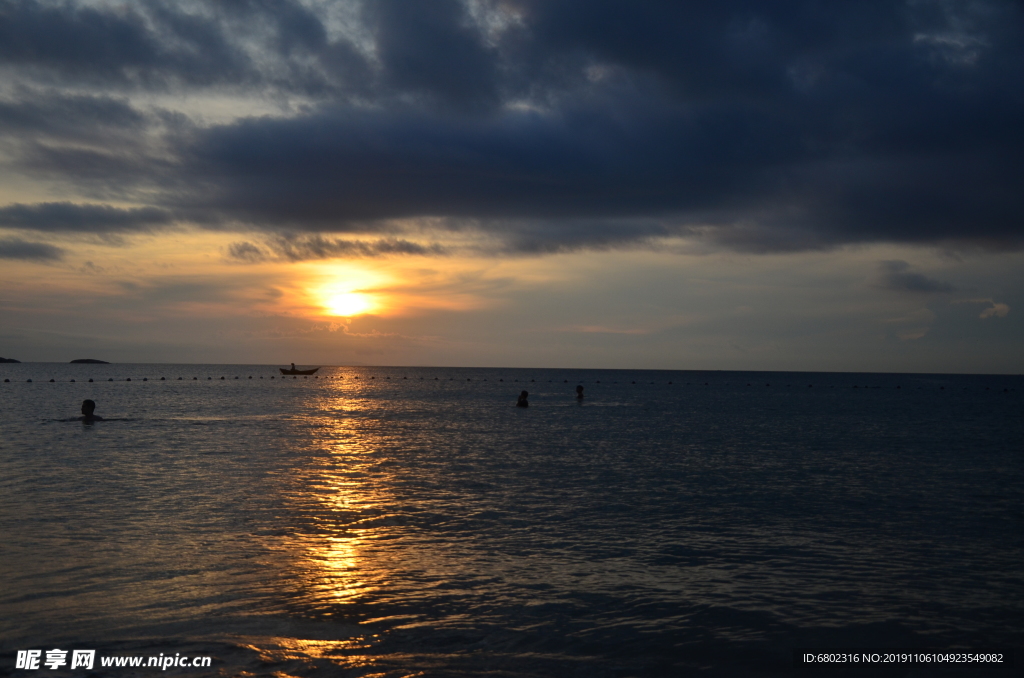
(348,304)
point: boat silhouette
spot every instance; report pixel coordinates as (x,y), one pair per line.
(292,370)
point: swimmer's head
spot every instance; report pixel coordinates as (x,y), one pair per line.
(579,390)
(88,407)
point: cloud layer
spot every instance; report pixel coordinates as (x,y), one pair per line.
(14,248)
(896,275)
(547,125)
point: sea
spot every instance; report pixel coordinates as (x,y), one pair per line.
(412,521)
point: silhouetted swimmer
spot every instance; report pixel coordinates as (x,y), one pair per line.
(523,402)
(293,367)
(579,393)
(88,407)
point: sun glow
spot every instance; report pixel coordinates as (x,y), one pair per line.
(348,304)
(347,291)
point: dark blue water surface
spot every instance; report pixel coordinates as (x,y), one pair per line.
(413,521)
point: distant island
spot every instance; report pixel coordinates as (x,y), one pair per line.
(9,360)
(91,361)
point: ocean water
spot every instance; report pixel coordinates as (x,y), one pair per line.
(414,522)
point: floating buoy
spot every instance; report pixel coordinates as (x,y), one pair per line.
(51,381)
(163,378)
(90,381)
(209,379)
(195,378)
(222,378)
(72,381)
(405,377)
(128,379)
(145,379)
(29,381)
(271,377)
(179,378)
(111,379)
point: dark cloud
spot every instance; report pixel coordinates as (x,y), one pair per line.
(896,275)
(120,45)
(303,248)
(560,124)
(52,115)
(71,218)
(13,248)
(246,251)
(431,49)
(157,45)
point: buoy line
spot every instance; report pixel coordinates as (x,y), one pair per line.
(502,380)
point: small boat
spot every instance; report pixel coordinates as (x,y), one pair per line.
(285,370)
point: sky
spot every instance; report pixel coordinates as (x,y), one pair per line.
(736,185)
